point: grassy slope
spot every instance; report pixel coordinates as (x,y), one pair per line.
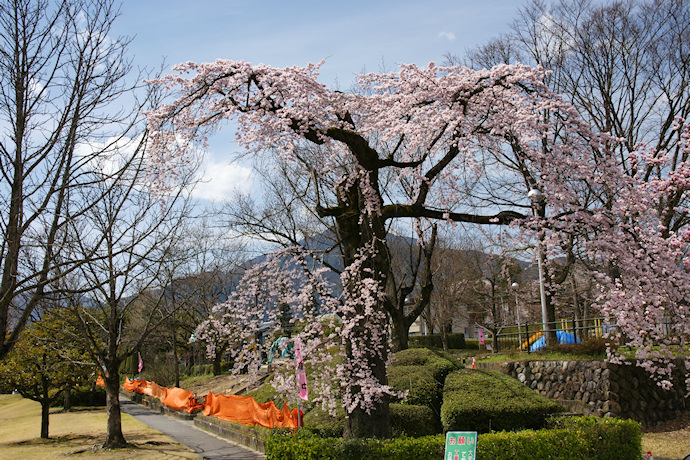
(20,427)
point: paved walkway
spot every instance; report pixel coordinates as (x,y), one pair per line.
(202,443)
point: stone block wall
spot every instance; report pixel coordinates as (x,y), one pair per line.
(606,389)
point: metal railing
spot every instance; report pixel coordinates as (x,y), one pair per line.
(529,337)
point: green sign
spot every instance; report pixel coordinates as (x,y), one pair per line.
(461,445)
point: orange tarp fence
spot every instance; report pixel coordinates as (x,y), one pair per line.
(156,391)
(240,409)
(177,398)
(136,385)
(245,410)
(174,397)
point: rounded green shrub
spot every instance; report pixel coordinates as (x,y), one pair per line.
(439,362)
(414,420)
(480,400)
(323,424)
(420,383)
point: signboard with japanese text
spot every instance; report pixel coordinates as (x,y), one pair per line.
(461,445)
(480,331)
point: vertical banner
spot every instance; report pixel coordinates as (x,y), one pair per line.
(300,373)
(480,331)
(141,363)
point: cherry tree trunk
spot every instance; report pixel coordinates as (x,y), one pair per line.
(377,422)
(366,347)
(45,414)
(400,333)
(217,360)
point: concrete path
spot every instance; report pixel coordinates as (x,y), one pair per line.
(202,443)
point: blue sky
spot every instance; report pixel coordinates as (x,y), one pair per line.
(351,36)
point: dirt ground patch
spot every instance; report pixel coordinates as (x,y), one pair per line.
(670,439)
(218,384)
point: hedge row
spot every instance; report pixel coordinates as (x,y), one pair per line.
(83,396)
(455,341)
(304,445)
(482,401)
(406,420)
(580,438)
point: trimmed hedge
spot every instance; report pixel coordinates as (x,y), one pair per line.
(414,421)
(83,396)
(423,389)
(439,362)
(579,438)
(304,445)
(482,401)
(455,341)
(406,419)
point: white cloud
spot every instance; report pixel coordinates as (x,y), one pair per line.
(450,36)
(220,179)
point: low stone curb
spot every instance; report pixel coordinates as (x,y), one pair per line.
(239,434)
(246,436)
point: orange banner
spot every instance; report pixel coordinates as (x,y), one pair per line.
(245,410)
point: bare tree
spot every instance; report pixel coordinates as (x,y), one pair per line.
(127,245)
(454,291)
(210,271)
(494,289)
(61,78)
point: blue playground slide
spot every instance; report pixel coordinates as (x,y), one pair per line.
(561,336)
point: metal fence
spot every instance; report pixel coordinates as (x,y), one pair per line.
(529,337)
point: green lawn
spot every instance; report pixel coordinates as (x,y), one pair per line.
(75,433)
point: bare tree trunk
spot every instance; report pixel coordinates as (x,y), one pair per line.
(67,399)
(444,335)
(45,408)
(114,439)
(176,358)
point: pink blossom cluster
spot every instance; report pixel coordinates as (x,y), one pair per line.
(323,323)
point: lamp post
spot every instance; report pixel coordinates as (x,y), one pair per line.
(537,198)
(515,287)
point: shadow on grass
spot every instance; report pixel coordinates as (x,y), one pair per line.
(88,444)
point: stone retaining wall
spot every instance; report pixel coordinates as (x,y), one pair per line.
(607,389)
